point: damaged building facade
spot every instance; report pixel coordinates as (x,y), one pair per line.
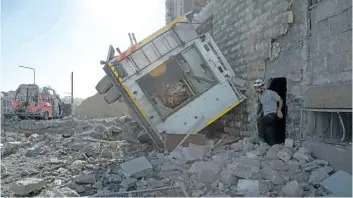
(302,49)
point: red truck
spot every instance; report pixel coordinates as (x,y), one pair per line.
(31,101)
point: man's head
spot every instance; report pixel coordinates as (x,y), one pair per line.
(259,86)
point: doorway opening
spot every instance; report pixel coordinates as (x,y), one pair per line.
(279,85)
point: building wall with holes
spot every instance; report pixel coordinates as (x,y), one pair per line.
(306,41)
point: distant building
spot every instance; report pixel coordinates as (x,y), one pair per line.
(176,8)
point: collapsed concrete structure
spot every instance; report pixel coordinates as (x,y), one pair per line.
(303,50)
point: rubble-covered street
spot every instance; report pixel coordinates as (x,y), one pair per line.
(100,157)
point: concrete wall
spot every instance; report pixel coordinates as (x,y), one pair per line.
(308,44)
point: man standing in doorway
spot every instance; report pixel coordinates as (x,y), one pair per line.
(268,107)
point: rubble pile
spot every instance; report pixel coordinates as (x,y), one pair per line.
(52,156)
(93,158)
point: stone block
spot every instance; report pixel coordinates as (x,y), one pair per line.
(293,189)
(253,187)
(289,142)
(340,184)
(320,174)
(136,168)
(85,179)
(285,154)
(26,186)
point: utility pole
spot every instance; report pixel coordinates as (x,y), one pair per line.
(34,72)
(72,87)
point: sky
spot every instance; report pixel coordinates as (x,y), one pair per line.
(57,37)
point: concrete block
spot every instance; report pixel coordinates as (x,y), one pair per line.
(320,174)
(85,179)
(228,178)
(285,154)
(238,146)
(136,168)
(340,184)
(278,165)
(324,28)
(272,175)
(243,171)
(208,176)
(247,161)
(343,5)
(197,167)
(65,192)
(272,152)
(293,189)
(126,183)
(253,187)
(301,156)
(193,152)
(26,186)
(289,142)
(300,177)
(340,23)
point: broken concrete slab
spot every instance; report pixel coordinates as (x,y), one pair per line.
(271,153)
(137,168)
(10,148)
(127,183)
(228,178)
(253,187)
(320,174)
(197,167)
(208,176)
(293,189)
(243,171)
(26,186)
(340,184)
(285,154)
(85,179)
(238,146)
(65,192)
(272,175)
(193,152)
(250,161)
(301,177)
(278,165)
(302,156)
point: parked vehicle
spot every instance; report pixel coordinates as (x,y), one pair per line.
(31,101)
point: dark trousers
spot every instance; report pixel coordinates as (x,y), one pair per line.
(266,128)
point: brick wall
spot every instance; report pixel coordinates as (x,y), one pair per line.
(244,31)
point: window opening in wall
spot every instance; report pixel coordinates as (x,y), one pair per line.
(279,85)
(333,127)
